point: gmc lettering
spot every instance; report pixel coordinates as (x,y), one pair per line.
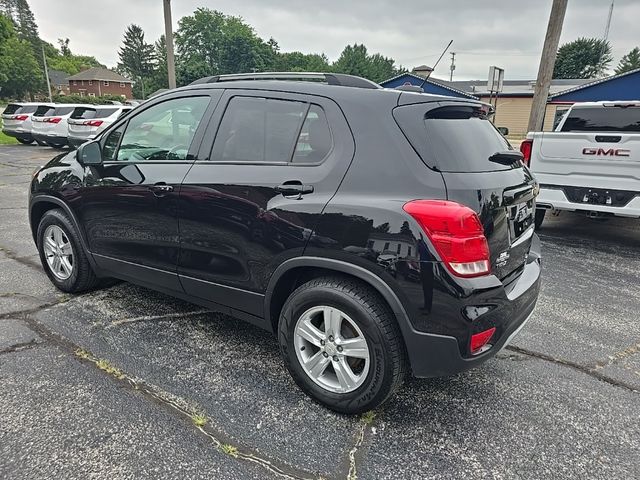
(612,152)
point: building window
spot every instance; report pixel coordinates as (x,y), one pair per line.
(399,248)
(90,82)
(105,83)
(91,94)
(409,252)
(386,246)
(75,83)
(122,84)
(81,82)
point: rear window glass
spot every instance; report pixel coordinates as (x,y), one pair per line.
(11,109)
(63,110)
(43,111)
(28,109)
(83,113)
(105,112)
(603,119)
(454,138)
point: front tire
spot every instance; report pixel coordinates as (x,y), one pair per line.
(342,345)
(24,141)
(61,253)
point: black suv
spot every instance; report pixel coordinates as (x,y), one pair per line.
(372,230)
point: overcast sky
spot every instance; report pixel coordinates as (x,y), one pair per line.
(506,33)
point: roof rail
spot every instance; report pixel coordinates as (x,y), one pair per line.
(329,78)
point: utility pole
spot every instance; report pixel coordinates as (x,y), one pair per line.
(168,37)
(547,62)
(453,66)
(46,74)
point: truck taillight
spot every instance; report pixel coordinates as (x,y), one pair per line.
(53,120)
(525,148)
(21,118)
(456,233)
(93,123)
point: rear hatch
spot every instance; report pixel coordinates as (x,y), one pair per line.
(38,119)
(15,115)
(84,122)
(457,139)
(48,124)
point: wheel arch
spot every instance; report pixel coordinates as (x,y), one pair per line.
(295,271)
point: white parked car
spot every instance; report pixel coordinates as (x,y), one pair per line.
(590,163)
(86,122)
(17,120)
(52,128)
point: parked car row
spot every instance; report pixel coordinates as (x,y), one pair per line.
(58,125)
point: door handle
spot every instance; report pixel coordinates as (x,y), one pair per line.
(294,189)
(161,189)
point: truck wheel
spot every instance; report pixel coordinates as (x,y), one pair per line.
(341,343)
(540,213)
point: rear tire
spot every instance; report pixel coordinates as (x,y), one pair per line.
(57,146)
(41,143)
(24,141)
(540,213)
(358,367)
(61,253)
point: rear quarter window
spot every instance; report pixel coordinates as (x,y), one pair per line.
(457,138)
(603,119)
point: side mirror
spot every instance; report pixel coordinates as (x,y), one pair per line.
(89,153)
(504,131)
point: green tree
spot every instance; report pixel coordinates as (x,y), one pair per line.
(65,60)
(136,58)
(159,78)
(631,61)
(26,26)
(20,72)
(355,60)
(301,62)
(583,58)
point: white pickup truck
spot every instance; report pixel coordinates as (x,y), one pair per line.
(590,163)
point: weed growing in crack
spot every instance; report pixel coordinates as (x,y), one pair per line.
(368,417)
(105,366)
(199,419)
(80,353)
(229,449)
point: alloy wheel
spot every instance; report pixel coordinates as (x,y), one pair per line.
(58,252)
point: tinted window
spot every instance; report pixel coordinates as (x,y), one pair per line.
(111,144)
(44,111)
(83,113)
(11,109)
(63,110)
(28,109)
(314,142)
(452,139)
(105,112)
(603,119)
(258,130)
(164,131)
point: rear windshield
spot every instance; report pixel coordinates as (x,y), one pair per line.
(11,109)
(603,119)
(83,113)
(452,139)
(63,110)
(44,111)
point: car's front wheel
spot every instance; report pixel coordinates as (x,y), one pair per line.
(62,255)
(341,343)
(24,141)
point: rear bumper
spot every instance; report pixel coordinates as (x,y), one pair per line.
(556,199)
(23,134)
(53,139)
(511,306)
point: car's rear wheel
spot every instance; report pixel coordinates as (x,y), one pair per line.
(41,143)
(24,141)
(62,255)
(540,213)
(341,343)
(58,146)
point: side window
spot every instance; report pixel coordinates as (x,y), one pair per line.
(258,130)
(111,144)
(314,142)
(162,132)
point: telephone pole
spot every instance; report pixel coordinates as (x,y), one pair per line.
(46,73)
(453,66)
(168,37)
(547,62)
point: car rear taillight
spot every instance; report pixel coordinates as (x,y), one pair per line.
(456,233)
(21,118)
(93,123)
(525,148)
(479,340)
(53,120)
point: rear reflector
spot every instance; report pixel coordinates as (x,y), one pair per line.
(525,148)
(21,118)
(479,340)
(53,120)
(93,123)
(456,233)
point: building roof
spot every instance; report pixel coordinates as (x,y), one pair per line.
(99,73)
(58,77)
(417,79)
(592,83)
(516,88)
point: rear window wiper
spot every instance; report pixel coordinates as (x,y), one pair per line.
(507,157)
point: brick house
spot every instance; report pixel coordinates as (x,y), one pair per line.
(59,82)
(97,81)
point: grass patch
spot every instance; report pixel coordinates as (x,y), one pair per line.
(368,417)
(110,369)
(229,449)
(199,419)
(83,354)
(7,140)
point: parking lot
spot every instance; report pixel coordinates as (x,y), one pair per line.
(128,383)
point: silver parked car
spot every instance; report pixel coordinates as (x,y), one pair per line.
(86,122)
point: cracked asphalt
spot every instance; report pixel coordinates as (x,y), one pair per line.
(105,385)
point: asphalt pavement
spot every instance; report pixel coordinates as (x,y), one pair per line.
(127,383)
